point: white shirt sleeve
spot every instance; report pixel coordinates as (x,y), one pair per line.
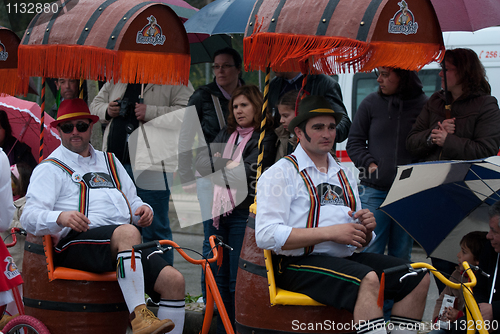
(6,200)
(273,208)
(40,215)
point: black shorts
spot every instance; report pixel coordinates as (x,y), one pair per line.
(335,281)
(91,251)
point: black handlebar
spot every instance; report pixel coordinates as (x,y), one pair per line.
(149,244)
(404,268)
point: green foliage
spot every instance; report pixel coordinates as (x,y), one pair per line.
(191,299)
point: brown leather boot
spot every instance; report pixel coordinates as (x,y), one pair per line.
(144,322)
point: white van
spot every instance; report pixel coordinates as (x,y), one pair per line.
(485,42)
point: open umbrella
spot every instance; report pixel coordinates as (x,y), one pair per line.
(437,203)
(464,15)
(24,118)
(202,45)
(221,17)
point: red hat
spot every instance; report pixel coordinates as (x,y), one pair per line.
(73,109)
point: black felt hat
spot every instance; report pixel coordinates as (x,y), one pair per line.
(313,106)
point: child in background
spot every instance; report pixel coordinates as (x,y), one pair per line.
(20,175)
(470,249)
(286,141)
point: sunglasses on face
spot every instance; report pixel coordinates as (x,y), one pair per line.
(80,127)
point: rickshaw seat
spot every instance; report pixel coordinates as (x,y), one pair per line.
(69,273)
(283,297)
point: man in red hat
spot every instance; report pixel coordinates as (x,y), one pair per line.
(76,175)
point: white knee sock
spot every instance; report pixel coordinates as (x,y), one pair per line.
(373,326)
(131,282)
(402,325)
(175,311)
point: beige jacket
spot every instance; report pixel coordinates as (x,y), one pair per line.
(164,115)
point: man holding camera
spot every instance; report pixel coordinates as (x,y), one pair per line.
(124,107)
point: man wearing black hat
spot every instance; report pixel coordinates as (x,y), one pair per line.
(75,176)
(309,214)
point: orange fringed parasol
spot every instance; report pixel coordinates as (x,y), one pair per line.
(126,40)
(336,36)
(10,83)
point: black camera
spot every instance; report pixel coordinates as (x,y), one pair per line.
(125,106)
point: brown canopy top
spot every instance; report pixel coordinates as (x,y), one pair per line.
(124,40)
(339,35)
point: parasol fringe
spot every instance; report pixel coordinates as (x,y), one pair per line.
(332,55)
(284,52)
(11,83)
(407,56)
(94,63)
(163,68)
(65,61)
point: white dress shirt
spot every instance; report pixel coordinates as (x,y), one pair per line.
(283,203)
(52,191)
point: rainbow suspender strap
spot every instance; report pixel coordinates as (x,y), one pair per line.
(110,162)
(349,197)
(84,189)
(313,217)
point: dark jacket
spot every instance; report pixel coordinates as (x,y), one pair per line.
(322,85)
(202,100)
(378,134)
(20,153)
(476,134)
(205,167)
(482,290)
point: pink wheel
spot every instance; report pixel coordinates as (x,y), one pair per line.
(31,326)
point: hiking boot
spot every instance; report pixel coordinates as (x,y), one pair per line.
(144,322)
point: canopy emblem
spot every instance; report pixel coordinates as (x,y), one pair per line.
(403,21)
(151,33)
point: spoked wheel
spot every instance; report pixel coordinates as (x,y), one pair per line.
(28,323)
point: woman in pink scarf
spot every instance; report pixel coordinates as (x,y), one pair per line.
(232,162)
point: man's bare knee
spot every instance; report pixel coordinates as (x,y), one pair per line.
(170,284)
(369,283)
(366,302)
(124,237)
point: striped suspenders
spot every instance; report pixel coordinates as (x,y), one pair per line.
(84,189)
(313,217)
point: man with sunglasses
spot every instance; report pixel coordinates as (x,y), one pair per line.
(86,201)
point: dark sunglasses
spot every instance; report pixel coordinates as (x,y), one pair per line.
(80,127)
